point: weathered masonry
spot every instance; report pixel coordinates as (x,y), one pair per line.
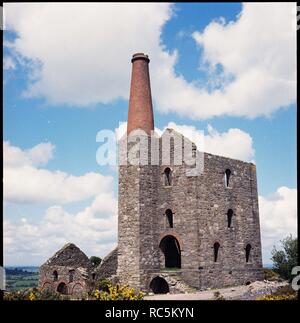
(176,231)
(68,272)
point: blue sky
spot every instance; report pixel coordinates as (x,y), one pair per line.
(180,39)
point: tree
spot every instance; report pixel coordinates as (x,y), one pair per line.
(96,261)
(287,258)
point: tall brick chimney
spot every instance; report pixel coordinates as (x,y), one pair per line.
(140,112)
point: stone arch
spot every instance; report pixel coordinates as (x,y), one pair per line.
(172,232)
(62,288)
(159,285)
(47,285)
(170,247)
(77,289)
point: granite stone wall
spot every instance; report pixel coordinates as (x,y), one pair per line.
(199,205)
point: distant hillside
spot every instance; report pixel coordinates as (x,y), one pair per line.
(21,277)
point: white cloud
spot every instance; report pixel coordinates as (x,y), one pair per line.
(76,47)
(84,46)
(24,182)
(8,63)
(234,143)
(93,229)
(278,217)
(259,52)
(36,156)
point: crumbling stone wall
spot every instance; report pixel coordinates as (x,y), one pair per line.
(81,283)
(108,266)
(68,271)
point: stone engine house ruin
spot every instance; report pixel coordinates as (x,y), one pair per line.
(176,230)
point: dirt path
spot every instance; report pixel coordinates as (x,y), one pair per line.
(243,292)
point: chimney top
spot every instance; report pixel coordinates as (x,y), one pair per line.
(137,56)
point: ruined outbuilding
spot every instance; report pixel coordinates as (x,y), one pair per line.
(69,272)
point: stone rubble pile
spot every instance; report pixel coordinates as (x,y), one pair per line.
(261,288)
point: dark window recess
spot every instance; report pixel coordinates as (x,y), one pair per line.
(71,275)
(227,177)
(248,251)
(216,251)
(229,218)
(55,276)
(168,176)
(169,216)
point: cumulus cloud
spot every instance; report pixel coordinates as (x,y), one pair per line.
(234,143)
(278,217)
(25,182)
(75,47)
(36,156)
(94,230)
(256,53)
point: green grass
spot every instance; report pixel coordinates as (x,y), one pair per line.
(17,282)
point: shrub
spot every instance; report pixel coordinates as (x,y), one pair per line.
(104,284)
(284,293)
(218,296)
(284,260)
(116,292)
(33,294)
(96,261)
(270,275)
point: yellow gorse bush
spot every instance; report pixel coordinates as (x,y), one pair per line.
(116,292)
(277,298)
(32,296)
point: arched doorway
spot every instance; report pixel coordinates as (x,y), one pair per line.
(158,285)
(62,288)
(169,245)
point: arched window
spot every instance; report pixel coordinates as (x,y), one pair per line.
(169,216)
(55,276)
(71,275)
(229,218)
(216,251)
(168,176)
(170,247)
(227,177)
(93,276)
(248,251)
(62,288)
